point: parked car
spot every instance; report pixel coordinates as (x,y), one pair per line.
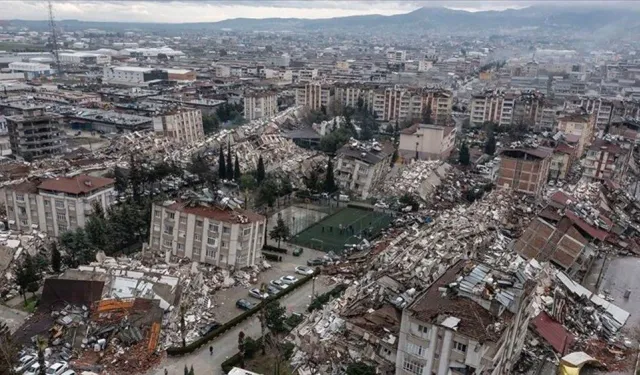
(34,369)
(208,328)
(272,290)
(244,304)
(25,362)
(57,368)
(279,284)
(289,279)
(315,262)
(256,293)
(302,270)
(297,252)
(69,372)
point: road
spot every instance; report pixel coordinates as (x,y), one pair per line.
(226,345)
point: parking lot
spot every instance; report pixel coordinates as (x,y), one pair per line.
(225,300)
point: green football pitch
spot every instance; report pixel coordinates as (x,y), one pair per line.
(356,223)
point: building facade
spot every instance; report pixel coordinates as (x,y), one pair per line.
(454,327)
(524,170)
(313,95)
(359,169)
(260,104)
(56,205)
(183,126)
(33,132)
(426,142)
(507,109)
(607,160)
(581,125)
(221,237)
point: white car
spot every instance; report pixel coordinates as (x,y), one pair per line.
(279,284)
(57,368)
(34,369)
(289,279)
(303,270)
(25,362)
(69,372)
(255,293)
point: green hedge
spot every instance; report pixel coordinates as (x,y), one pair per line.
(322,299)
(272,257)
(275,249)
(179,350)
(235,360)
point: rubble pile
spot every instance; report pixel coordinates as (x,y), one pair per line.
(13,250)
(413,178)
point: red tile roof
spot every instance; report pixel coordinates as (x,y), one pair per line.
(565,148)
(553,333)
(81,184)
(588,228)
(562,198)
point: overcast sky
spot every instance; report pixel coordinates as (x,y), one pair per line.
(217,10)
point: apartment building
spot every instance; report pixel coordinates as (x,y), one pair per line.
(313,95)
(56,205)
(471,320)
(605,109)
(144,76)
(260,104)
(183,126)
(607,160)
(359,168)
(581,125)
(524,170)
(426,142)
(220,236)
(561,161)
(33,132)
(31,69)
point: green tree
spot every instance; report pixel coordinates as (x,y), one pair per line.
(77,247)
(329,185)
(27,276)
(260,173)
(427,115)
(229,163)
(210,124)
(241,343)
(236,169)
(56,258)
(490,144)
(312,181)
(96,228)
(267,192)
(8,350)
(275,316)
(285,187)
(394,157)
(121,182)
(360,368)
(247,182)
(280,231)
(222,170)
(135,178)
(464,157)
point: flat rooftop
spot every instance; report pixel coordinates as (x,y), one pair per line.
(110,117)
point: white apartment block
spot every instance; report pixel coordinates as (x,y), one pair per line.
(260,104)
(208,234)
(56,205)
(183,126)
(307,75)
(358,170)
(313,95)
(456,327)
(493,107)
(86,58)
(426,142)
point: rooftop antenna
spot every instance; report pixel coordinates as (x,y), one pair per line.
(54,40)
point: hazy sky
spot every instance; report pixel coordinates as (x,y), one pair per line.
(216,10)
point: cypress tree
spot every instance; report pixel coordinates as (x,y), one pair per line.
(229,163)
(222,171)
(236,170)
(260,173)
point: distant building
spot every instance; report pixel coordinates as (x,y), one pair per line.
(563,157)
(68,97)
(426,142)
(56,205)
(84,58)
(31,69)
(506,109)
(223,237)
(524,170)
(581,125)
(471,320)
(606,160)
(260,104)
(144,76)
(33,132)
(313,95)
(183,126)
(359,168)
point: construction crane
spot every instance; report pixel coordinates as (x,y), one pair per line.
(54,41)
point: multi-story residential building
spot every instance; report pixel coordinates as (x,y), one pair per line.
(426,142)
(260,104)
(471,320)
(183,126)
(524,170)
(506,109)
(68,97)
(607,160)
(220,236)
(56,205)
(132,75)
(307,75)
(580,124)
(358,169)
(314,95)
(561,161)
(33,132)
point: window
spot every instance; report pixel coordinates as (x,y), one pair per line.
(46,203)
(180,247)
(224,244)
(157,214)
(171,215)
(61,217)
(62,228)
(72,206)
(59,203)
(156,227)
(183,219)
(226,230)
(156,240)
(48,215)
(167,243)
(415,349)
(422,330)
(246,231)
(197,237)
(168,229)
(20,197)
(211,252)
(199,223)
(211,241)
(459,347)
(213,227)
(196,251)
(24,222)
(181,233)
(412,366)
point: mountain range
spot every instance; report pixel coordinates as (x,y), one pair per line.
(590,20)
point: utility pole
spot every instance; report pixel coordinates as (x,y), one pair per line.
(54,41)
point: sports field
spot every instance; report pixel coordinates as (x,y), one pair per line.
(327,235)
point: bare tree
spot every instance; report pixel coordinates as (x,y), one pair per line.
(8,351)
